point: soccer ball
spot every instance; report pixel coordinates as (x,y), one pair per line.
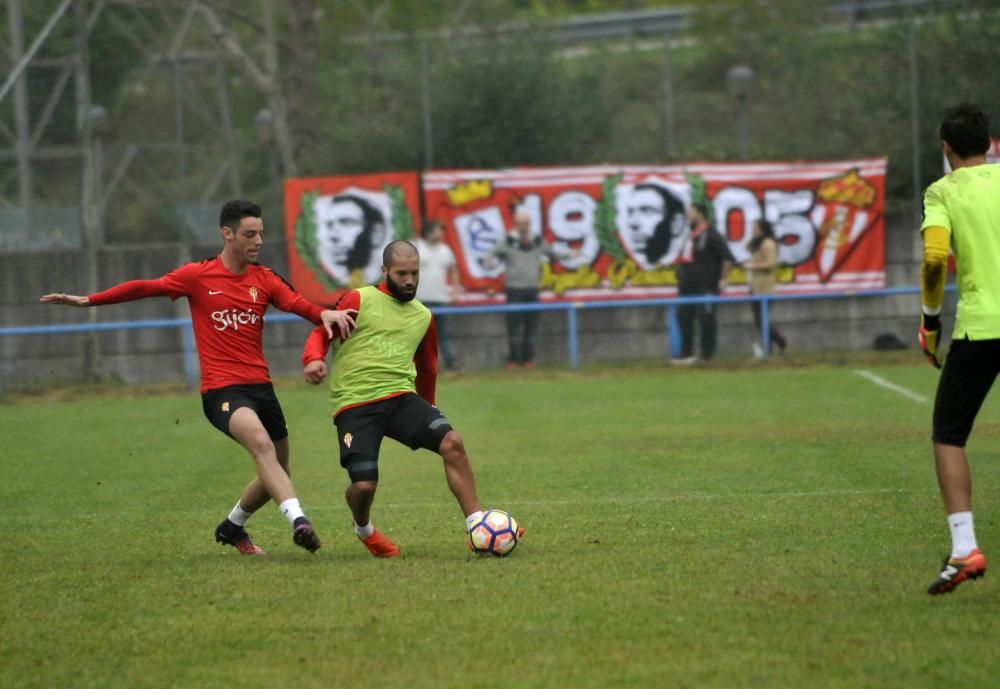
(494,534)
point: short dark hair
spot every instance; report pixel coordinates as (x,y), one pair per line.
(234,211)
(702,209)
(429,226)
(966,129)
(766,232)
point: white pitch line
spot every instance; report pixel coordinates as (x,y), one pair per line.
(883,383)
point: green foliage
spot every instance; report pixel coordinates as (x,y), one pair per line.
(761,528)
(699,193)
(502,106)
(402,222)
(605,224)
(501,95)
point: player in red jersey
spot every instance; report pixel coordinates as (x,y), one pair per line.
(228,296)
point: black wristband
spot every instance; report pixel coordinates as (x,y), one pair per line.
(931,322)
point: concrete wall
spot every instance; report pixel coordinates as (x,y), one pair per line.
(605,335)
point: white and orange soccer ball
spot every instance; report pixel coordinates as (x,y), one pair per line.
(494,534)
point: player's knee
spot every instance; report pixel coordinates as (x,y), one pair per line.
(363,489)
(452,446)
(258,443)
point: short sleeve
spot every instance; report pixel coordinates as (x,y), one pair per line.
(935,209)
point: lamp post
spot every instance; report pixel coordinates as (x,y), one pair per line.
(739,79)
(264,123)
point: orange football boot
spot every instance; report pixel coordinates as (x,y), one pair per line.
(379,545)
(956,570)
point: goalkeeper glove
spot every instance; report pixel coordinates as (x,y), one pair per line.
(928,336)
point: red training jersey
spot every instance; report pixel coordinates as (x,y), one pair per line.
(227,312)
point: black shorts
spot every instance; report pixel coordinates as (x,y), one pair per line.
(969,371)
(408,419)
(220,403)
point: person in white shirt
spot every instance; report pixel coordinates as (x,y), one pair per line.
(438,282)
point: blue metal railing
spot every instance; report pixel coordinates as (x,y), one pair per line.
(572,309)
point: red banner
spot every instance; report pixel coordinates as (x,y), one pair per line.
(619,228)
(336,228)
(625,225)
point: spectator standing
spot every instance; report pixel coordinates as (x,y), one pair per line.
(702,267)
(439,281)
(523,254)
(761,267)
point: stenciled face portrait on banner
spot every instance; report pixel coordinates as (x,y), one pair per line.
(352,228)
(571,221)
(652,221)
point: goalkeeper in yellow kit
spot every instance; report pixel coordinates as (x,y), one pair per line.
(962,211)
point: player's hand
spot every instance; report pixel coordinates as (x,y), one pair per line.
(928,335)
(338,323)
(314,372)
(63,298)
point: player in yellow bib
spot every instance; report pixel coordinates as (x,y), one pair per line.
(962,211)
(383,384)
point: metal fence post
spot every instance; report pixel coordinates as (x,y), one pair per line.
(190,356)
(425,93)
(765,325)
(668,97)
(572,336)
(673,333)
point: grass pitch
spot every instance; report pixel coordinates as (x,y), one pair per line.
(767,527)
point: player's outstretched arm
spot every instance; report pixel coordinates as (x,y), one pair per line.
(126,291)
(63,298)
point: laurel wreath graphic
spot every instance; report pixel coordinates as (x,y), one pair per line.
(402,223)
(604,218)
(699,193)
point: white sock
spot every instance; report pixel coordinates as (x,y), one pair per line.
(292,510)
(963,534)
(239,515)
(471,519)
(365,531)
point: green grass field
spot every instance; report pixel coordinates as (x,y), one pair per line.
(743,527)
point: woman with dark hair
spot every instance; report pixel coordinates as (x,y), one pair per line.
(761,267)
